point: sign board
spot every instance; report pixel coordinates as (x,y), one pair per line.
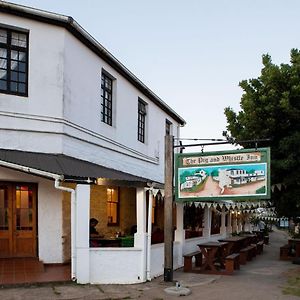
(238,174)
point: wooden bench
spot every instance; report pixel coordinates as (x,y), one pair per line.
(188,260)
(246,254)
(260,247)
(232,262)
(253,251)
(285,252)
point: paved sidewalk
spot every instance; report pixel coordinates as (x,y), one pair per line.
(261,278)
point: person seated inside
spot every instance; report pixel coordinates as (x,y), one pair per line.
(93,230)
(94,233)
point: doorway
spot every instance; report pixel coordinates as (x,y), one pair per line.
(18,236)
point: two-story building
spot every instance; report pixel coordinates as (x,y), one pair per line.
(81,137)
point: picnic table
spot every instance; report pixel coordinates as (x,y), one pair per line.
(213,252)
(235,243)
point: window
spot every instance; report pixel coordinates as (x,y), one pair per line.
(141,120)
(106,98)
(13,62)
(112,206)
(168,127)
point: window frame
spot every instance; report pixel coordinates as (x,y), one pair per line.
(9,47)
(142,113)
(117,223)
(106,111)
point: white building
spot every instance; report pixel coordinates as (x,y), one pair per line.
(81,137)
(72,115)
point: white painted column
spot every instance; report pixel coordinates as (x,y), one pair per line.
(140,237)
(229,225)
(247,223)
(223,221)
(180,232)
(234,222)
(239,222)
(207,222)
(82,233)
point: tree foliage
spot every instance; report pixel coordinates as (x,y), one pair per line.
(270,108)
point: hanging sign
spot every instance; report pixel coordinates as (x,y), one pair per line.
(238,174)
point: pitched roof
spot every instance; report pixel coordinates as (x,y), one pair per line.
(81,34)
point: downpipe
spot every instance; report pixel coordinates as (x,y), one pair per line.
(73,218)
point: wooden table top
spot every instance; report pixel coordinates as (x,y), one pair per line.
(233,239)
(212,244)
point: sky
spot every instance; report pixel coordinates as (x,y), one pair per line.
(191,53)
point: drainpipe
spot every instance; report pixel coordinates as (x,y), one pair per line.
(148,268)
(73,219)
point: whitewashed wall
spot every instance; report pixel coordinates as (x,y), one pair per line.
(157,258)
(49,205)
(25,121)
(62,111)
(115,265)
(120,148)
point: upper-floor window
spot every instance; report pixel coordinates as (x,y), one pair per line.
(13,62)
(141,120)
(168,127)
(106,98)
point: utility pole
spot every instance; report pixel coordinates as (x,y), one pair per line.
(168,209)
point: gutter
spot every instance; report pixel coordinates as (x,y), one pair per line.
(58,179)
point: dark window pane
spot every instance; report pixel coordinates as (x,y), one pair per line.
(3,63)
(22,56)
(3,53)
(3,74)
(3,36)
(14,76)
(22,67)
(18,39)
(13,86)
(22,77)
(22,87)
(3,85)
(14,65)
(14,55)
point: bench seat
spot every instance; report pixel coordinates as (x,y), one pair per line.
(260,247)
(285,252)
(188,260)
(232,262)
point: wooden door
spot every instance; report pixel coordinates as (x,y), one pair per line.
(5,220)
(17,220)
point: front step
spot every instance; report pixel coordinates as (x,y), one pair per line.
(22,264)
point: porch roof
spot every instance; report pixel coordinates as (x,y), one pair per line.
(70,168)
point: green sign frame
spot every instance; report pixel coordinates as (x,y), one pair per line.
(223,175)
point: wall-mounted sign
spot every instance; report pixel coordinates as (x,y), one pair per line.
(239,174)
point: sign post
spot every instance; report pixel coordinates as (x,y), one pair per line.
(168,210)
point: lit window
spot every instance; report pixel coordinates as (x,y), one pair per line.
(112,206)
(13,62)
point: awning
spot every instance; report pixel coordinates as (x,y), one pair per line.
(70,168)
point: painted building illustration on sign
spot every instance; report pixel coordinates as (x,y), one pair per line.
(238,175)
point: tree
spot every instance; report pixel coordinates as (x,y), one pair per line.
(270,108)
